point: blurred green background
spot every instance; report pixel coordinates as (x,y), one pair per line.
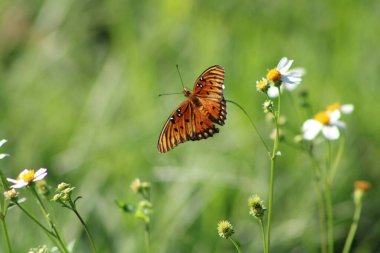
(78,95)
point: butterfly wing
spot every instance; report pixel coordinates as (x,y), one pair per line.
(208,88)
(185,123)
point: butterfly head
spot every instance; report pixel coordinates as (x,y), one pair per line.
(186,92)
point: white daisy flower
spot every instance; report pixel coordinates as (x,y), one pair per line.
(282,75)
(326,122)
(28,176)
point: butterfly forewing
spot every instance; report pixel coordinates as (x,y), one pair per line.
(194,118)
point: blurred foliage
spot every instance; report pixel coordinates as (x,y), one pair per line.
(78,95)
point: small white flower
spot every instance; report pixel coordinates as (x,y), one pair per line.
(327,122)
(28,176)
(282,75)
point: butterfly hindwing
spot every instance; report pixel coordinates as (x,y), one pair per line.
(185,123)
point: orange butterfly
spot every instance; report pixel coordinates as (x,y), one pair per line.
(194,118)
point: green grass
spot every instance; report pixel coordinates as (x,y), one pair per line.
(78,94)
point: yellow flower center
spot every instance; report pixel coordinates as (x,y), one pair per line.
(333,107)
(262,85)
(274,75)
(27,176)
(323,118)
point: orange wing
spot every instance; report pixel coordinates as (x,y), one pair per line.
(208,88)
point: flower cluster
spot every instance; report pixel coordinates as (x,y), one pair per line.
(327,121)
(63,193)
(256,206)
(279,77)
(225,229)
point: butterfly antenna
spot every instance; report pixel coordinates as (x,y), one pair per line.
(180,77)
(164,94)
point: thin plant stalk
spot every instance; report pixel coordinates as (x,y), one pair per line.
(353,228)
(51,223)
(50,234)
(235,244)
(337,160)
(322,211)
(329,209)
(263,234)
(91,240)
(330,218)
(272,166)
(6,235)
(147,237)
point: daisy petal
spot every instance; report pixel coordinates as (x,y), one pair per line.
(3,155)
(297,72)
(310,129)
(40,172)
(282,63)
(331,132)
(20,184)
(13,181)
(334,116)
(286,67)
(340,124)
(347,109)
(2,142)
(39,177)
(291,86)
(273,91)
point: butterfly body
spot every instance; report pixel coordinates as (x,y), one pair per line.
(194,118)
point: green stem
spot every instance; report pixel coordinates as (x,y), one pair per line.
(322,213)
(330,217)
(91,240)
(6,235)
(252,123)
(329,208)
(51,223)
(235,244)
(263,234)
(272,166)
(336,162)
(147,237)
(353,228)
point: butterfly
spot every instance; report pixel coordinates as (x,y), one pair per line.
(194,118)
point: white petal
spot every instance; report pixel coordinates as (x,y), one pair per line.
(291,86)
(331,132)
(297,72)
(286,67)
(340,124)
(282,63)
(40,172)
(19,185)
(39,177)
(3,155)
(347,109)
(14,181)
(273,92)
(2,142)
(310,129)
(334,116)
